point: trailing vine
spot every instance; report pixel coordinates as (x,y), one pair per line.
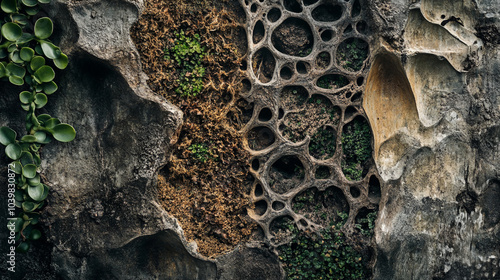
(26,56)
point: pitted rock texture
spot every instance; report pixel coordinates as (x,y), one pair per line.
(306,76)
(432,101)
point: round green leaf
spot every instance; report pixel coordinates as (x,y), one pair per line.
(16,167)
(50,88)
(23,247)
(29,206)
(35,181)
(30,3)
(26,97)
(64,132)
(20,19)
(36,192)
(28,139)
(26,158)
(25,38)
(45,74)
(40,136)
(11,31)
(43,28)
(29,171)
(44,117)
(35,234)
(37,62)
(15,57)
(61,62)
(50,50)
(11,48)
(32,10)
(7,136)
(27,54)
(16,81)
(13,151)
(9,6)
(26,107)
(51,123)
(16,70)
(40,100)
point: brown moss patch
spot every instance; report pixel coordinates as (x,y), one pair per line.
(208,198)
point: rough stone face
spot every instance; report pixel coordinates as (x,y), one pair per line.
(430,95)
(431,100)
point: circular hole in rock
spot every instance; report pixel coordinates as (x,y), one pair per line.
(243,65)
(292,6)
(349,112)
(374,188)
(260,138)
(302,67)
(246,85)
(317,112)
(356,9)
(356,96)
(323,60)
(323,143)
(253,8)
(265,115)
(305,201)
(286,73)
(443,16)
(263,65)
(327,35)
(274,15)
(247,2)
(348,29)
(260,207)
(348,94)
(258,191)
(357,149)
(327,12)
(360,81)
(355,192)
(282,228)
(286,173)
(351,54)
(365,221)
(293,37)
(293,97)
(258,32)
(334,199)
(362,27)
(278,205)
(281,113)
(309,2)
(255,164)
(322,172)
(303,222)
(332,81)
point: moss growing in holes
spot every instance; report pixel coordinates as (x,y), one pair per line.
(352,53)
(366,224)
(356,145)
(332,81)
(322,145)
(327,255)
(187,53)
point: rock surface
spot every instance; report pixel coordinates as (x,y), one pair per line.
(431,97)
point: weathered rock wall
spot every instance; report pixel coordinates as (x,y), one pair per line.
(432,101)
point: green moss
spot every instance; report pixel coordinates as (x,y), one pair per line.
(356,145)
(327,255)
(188,53)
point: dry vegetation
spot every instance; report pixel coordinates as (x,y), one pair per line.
(208,198)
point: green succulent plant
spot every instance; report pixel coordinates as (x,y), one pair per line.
(27,57)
